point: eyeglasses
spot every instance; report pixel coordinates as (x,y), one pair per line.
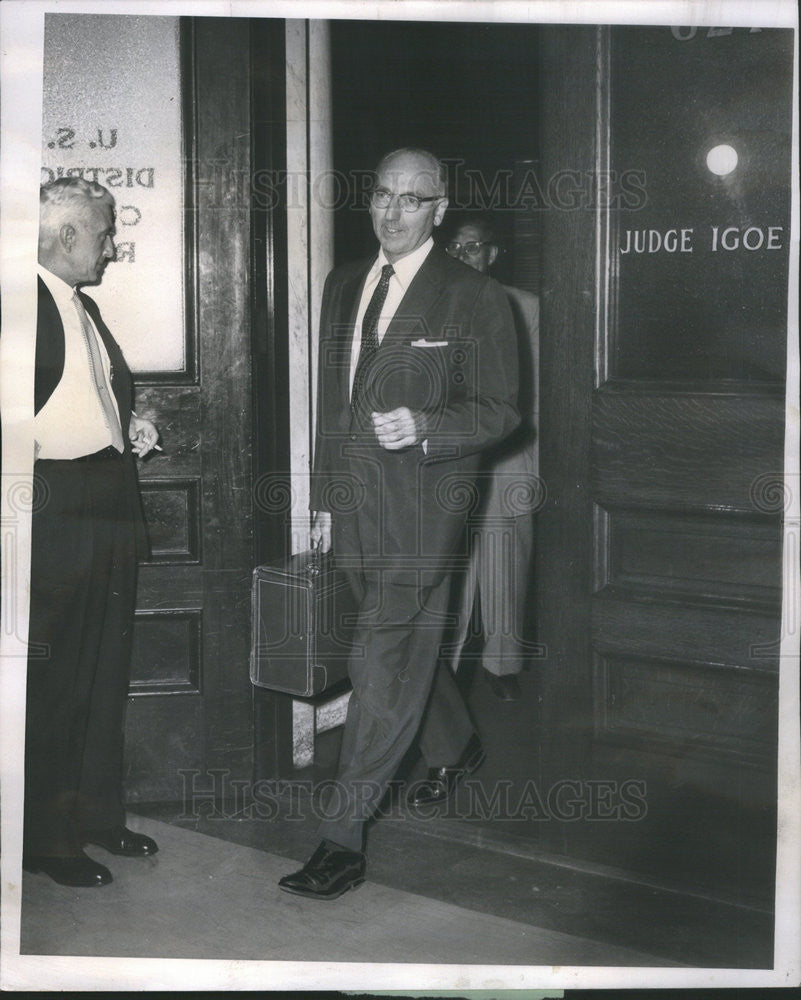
(408,202)
(471,249)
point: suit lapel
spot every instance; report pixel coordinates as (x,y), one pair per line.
(426,286)
(350,300)
(346,315)
(49,347)
(418,300)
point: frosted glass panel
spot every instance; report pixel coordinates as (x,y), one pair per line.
(702,248)
(112,113)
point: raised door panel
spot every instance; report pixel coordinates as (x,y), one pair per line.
(662,431)
(190,701)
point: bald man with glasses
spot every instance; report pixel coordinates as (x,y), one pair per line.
(501,562)
(417,376)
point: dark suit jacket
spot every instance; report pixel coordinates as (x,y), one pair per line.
(451,352)
(50,367)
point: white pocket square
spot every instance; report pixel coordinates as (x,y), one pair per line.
(429,343)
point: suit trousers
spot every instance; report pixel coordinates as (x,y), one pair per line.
(498,579)
(83,582)
(398,681)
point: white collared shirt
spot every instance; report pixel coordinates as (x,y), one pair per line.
(405,270)
(71,423)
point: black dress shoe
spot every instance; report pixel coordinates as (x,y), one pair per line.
(78,870)
(329,872)
(442,781)
(505,687)
(121,840)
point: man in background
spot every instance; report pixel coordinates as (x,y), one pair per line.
(87,532)
(503,541)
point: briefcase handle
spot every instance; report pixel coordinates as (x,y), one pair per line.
(314,566)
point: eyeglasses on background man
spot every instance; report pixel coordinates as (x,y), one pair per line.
(472,248)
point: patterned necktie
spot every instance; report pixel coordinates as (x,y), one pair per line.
(369,344)
(98,376)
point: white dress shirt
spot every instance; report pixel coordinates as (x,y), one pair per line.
(71,423)
(405,270)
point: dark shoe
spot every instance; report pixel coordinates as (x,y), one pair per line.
(329,872)
(78,870)
(505,687)
(121,840)
(442,781)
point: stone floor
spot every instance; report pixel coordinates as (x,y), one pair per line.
(202,897)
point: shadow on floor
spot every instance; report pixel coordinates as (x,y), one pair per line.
(448,861)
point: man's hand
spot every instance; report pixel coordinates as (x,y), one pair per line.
(399,428)
(143,434)
(321,530)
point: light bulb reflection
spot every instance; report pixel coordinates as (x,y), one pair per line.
(722,159)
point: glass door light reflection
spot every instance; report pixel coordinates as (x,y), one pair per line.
(722,159)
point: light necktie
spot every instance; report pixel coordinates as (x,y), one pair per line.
(99,377)
(369,344)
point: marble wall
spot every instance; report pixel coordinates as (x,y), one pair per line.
(310,238)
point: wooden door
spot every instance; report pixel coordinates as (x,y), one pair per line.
(662,412)
(189,722)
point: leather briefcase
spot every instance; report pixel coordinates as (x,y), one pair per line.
(302,621)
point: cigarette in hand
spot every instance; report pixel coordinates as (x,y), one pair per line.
(158,447)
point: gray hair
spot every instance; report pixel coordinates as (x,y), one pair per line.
(437,169)
(61,200)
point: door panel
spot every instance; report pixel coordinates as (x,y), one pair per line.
(661,441)
(190,706)
(692,450)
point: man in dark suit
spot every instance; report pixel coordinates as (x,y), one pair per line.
(87,530)
(417,375)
